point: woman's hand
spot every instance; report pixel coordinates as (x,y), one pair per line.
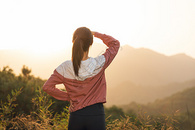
(93,32)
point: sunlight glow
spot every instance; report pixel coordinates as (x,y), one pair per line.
(164,26)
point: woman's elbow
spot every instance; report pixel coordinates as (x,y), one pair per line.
(117,43)
(44,88)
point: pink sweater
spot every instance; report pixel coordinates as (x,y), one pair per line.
(85,91)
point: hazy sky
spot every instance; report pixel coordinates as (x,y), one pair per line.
(166,26)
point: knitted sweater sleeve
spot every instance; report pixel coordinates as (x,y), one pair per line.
(50,87)
(113,47)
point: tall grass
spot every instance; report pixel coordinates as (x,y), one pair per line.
(7,109)
(143,121)
(43,118)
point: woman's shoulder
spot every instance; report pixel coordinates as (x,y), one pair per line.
(65,67)
(90,67)
(100,58)
(66,63)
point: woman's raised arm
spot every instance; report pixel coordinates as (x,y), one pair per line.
(112,44)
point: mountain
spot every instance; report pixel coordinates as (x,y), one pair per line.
(142,75)
(182,102)
(148,68)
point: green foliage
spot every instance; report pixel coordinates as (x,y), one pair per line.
(173,103)
(114,113)
(33,109)
(187,120)
(143,121)
(6,108)
(59,105)
(25,71)
(9,81)
(40,118)
(41,107)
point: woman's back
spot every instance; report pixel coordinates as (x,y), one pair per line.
(84,81)
(89,87)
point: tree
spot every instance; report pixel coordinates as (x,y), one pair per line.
(25,71)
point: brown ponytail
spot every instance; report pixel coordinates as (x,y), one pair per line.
(82,39)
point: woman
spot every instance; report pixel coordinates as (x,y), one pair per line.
(84,80)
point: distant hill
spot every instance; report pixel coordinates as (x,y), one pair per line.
(148,68)
(182,102)
(128,92)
